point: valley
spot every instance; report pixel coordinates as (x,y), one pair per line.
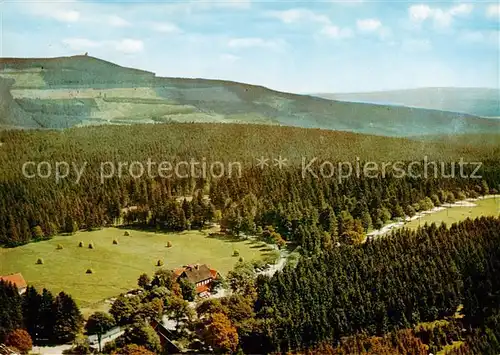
(484,102)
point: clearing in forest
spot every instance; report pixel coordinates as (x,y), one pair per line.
(483,207)
(116,267)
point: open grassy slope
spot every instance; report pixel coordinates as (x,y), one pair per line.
(81,90)
(486,207)
(475,101)
(117,267)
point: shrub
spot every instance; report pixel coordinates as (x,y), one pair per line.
(37,232)
(241,259)
(159,263)
(115,241)
(258,264)
(19,339)
(80,244)
(169,244)
(39,261)
(126,234)
(59,246)
(132,349)
(89,271)
(91,245)
(236,253)
(272,257)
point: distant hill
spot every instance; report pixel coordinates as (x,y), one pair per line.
(82,90)
(475,101)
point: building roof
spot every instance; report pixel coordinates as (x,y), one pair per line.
(178,272)
(196,273)
(16,279)
(202,288)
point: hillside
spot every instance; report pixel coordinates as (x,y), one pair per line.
(82,90)
(229,143)
(475,101)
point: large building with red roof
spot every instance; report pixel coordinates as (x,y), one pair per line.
(200,275)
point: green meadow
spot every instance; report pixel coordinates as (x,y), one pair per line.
(486,207)
(116,267)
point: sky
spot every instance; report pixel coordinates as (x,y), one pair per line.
(294,46)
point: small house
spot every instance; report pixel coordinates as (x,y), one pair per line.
(18,280)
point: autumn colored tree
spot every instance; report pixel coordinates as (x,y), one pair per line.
(210,306)
(220,334)
(133,349)
(19,339)
(151,310)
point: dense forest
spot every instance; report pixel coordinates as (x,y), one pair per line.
(37,208)
(297,206)
(413,292)
(389,284)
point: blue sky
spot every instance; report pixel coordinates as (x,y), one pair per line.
(296,46)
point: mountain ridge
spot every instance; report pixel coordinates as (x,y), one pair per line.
(81,90)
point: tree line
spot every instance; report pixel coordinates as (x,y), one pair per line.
(47,319)
(386,285)
(308,211)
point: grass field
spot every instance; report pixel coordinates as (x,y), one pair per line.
(117,267)
(486,207)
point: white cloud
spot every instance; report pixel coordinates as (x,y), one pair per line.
(117,21)
(336,32)
(374,26)
(305,16)
(462,9)
(485,37)
(62,11)
(416,45)
(493,11)
(238,4)
(347,2)
(251,42)
(165,27)
(229,58)
(299,15)
(126,46)
(129,46)
(420,12)
(209,4)
(441,17)
(66,16)
(368,25)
